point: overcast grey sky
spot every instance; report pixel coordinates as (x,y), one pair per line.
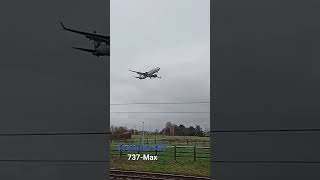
(173,35)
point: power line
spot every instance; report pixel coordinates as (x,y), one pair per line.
(146,103)
(54,134)
(270,162)
(56,161)
(265,130)
(172,112)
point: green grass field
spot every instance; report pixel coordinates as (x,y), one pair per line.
(184,163)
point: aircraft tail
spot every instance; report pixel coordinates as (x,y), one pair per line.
(62,25)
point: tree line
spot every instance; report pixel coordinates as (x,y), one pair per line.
(170,129)
(181,130)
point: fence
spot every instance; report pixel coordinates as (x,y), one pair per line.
(187,142)
(173,152)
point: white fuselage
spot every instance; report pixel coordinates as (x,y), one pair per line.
(152,71)
(150,74)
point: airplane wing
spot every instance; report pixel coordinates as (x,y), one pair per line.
(93,36)
(83,49)
(137,72)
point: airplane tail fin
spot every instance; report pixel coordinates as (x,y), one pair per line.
(62,25)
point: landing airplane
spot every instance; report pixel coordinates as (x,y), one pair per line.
(101,42)
(150,74)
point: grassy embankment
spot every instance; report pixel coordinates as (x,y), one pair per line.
(184,163)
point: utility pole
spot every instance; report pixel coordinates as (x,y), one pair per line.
(143,132)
